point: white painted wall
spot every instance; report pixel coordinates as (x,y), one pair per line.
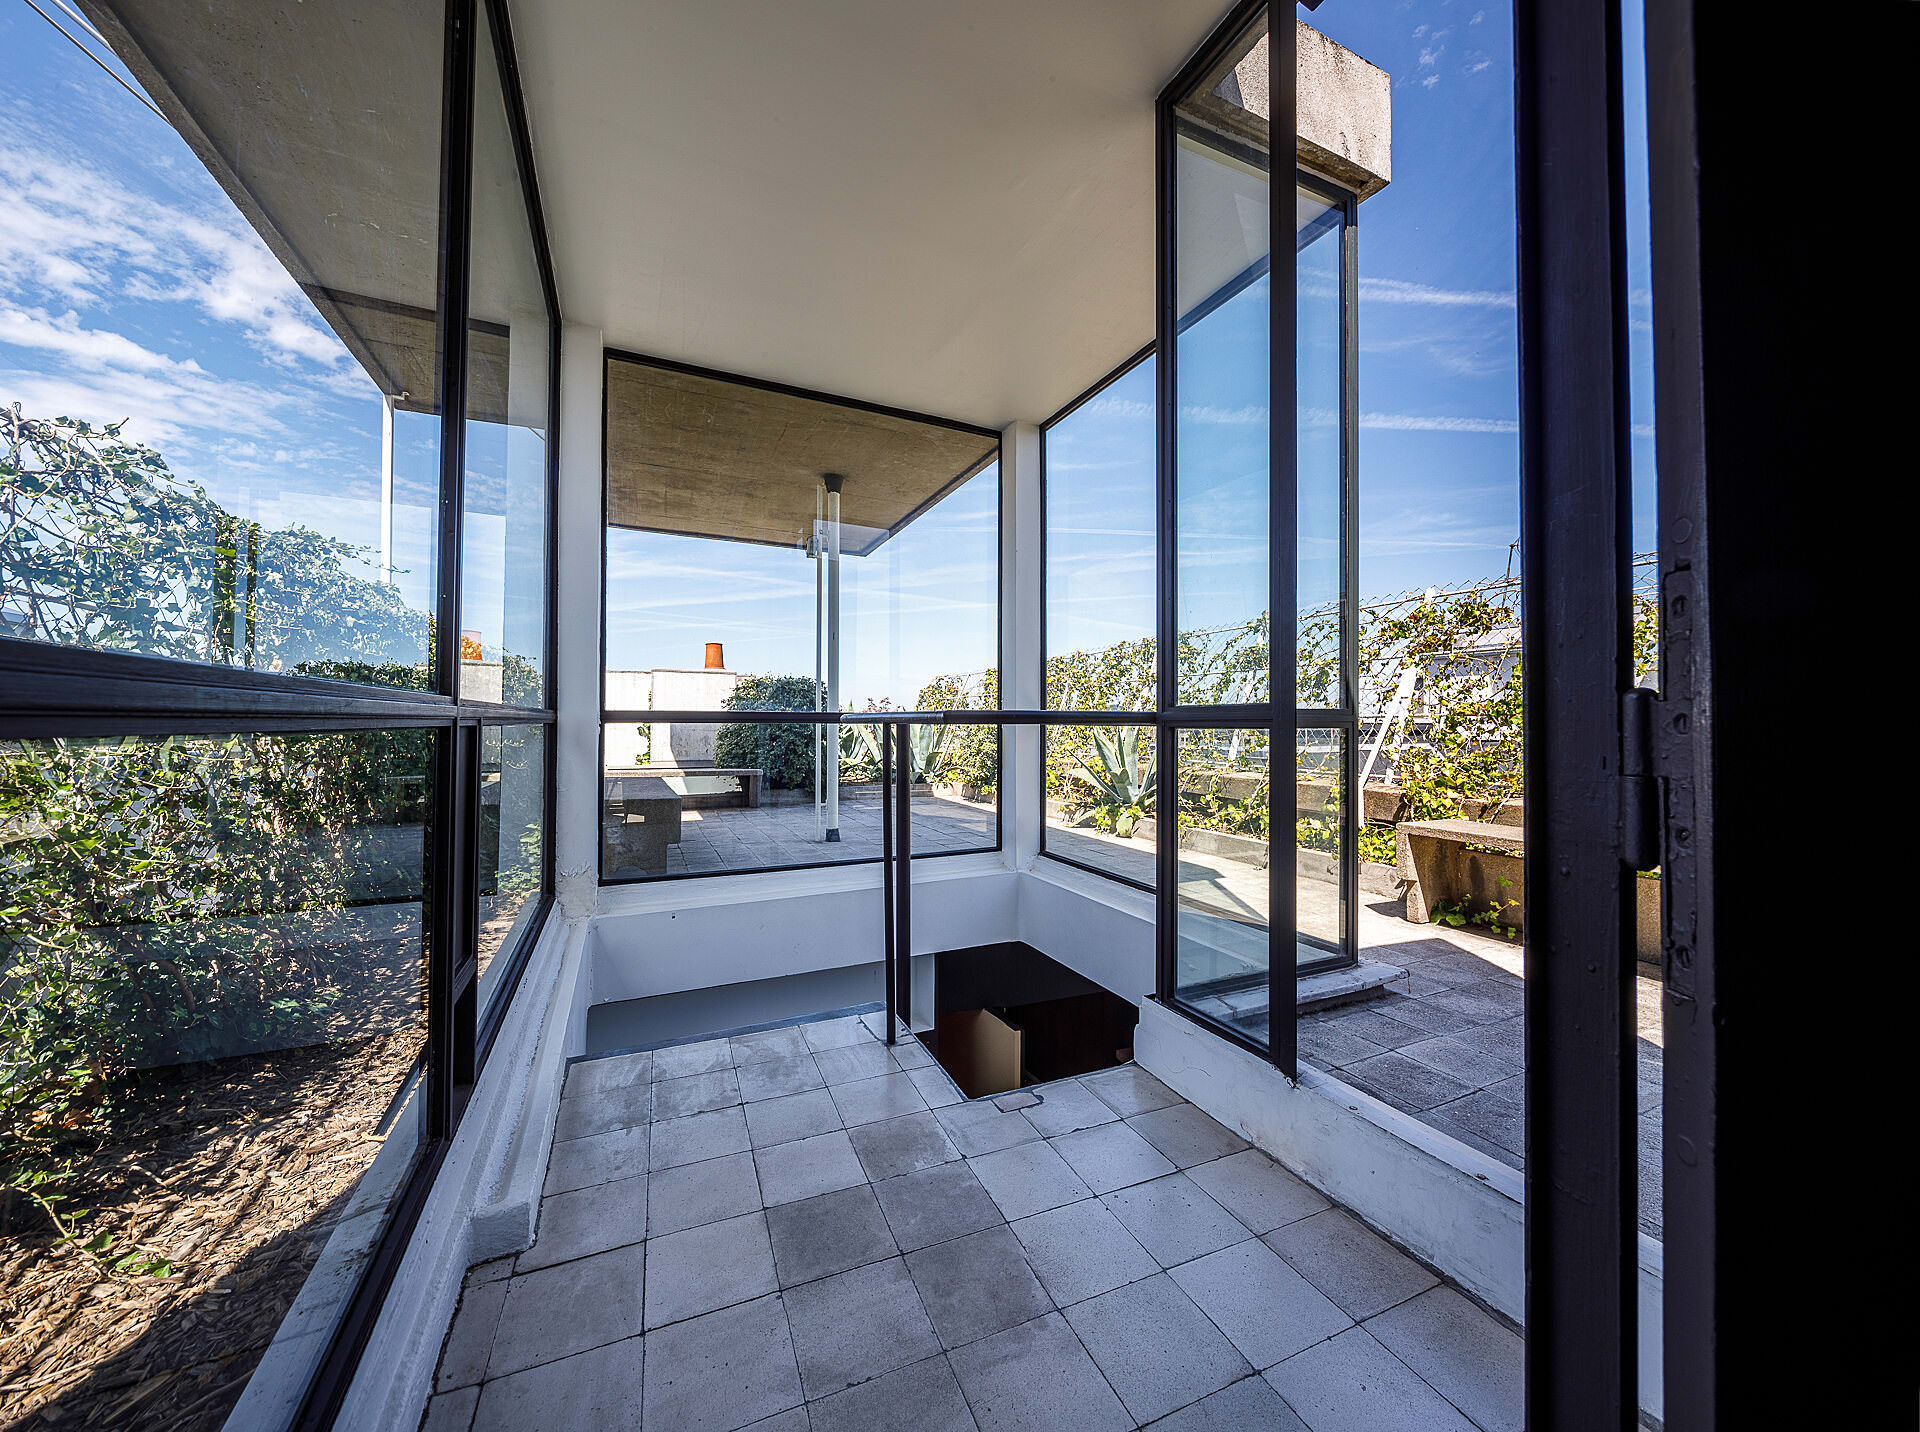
(577,591)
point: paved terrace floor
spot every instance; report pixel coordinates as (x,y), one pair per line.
(713,842)
(803,1231)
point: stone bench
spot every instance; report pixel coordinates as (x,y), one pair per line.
(751,778)
(1436,865)
(639,819)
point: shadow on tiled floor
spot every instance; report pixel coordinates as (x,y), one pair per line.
(802,1230)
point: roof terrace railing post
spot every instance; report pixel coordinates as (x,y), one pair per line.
(886,870)
(903,872)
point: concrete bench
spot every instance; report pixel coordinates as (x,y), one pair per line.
(639,819)
(1436,865)
(751,780)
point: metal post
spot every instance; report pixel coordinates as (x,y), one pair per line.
(819,612)
(887,868)
(833,482)
(903,899)
(386,487)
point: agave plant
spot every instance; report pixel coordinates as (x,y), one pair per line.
(923,746)
(1123,786)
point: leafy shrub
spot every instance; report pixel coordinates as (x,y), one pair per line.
(784,752)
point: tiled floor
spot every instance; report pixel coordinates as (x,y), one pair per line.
(804,1231)
(728,839)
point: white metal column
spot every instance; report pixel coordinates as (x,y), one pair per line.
(1022,682)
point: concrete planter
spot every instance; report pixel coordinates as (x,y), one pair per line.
(1475,876)
(1378,879)
(1244,848)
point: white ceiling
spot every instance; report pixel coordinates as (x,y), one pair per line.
(940,206)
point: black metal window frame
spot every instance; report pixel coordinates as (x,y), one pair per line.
(608,717)
(55,691)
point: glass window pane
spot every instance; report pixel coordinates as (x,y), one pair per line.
(219,439)
(1222,901)
(1100,799)
(1320,854)
(1101,514)
(503,551)
(1321,474)
(513,840)
(212,968)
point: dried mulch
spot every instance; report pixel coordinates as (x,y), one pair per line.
(236,1172)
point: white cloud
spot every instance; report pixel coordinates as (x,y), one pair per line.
(1224,417)
(1397,290)
(1413,422)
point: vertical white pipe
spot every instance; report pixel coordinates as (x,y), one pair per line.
(386,487)
(833,482)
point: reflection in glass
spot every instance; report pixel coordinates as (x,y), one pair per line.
(1320,857)
(213,968)
(1101,786)
(513,836)
(1100,577)
(1317,377)
(503,555)
(1222,901)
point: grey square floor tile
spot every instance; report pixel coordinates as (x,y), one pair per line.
(790,1117)
(697,1137)
(699,1270)
(623,1107)
(818,1237)
(1266,1309)
(935,1204)
(1417,1013)
(1486,1002)
(925,1397)
(904,1145)
(977,1285)
(769,1044)
(611,1071)
(1129,1090)
(1257,1191)
(1036,1378)
(858,1325)
(1111,1156)
(1174,1219)
(936,1086)
(794,1419)
(582,1393)
(679,1061)
(1463,1352)
(1156,1348)
(806,1167)
(1028,1178)
(490,1271)
(451,1411)
(1186,1135)
(868,1101)
(1468,1063)
(855,1062)
(542,1318)
(692,1194)
(1081,1250)
(597,1158)
(1249,1405)
(1332,1045)
(463,1361)
(771,1078)
(1405,1083)
(1496,1113)
(695,1094)
(1357,1268)
(587,1220)
(721,1372)
(836,1033)
(910,1053)
(1353,1384)
(979,1128)
(1066,1106)
(1374,1026)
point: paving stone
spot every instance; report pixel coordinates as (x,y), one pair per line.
(1496,1113)
(1404,1009)
(1111,1156)
(855,1062)
(692,1194)
(1354,1266)
(1186,1135)
(587,1220)
(904,1145)
(1018,1099)
(771,1078)
(925,1397)
(977,1285)
(1463,1352)
(1256,1190)
(1158,1350)
(1036,1378)
(1353,1384)
(1507,1039)
(1028,1178)
(936,1086)
(768,1045)
(1369,1024)
(818,1237)
(836,1033)
(541,1318)
(1407,1083)
(793,1116)
(1484,1002)
(451,1411)
(597,1158)
(721,1372)
(463,1361)
(1457,1058)
(697,1137)
(583,1393)
(699,1270)
(1082,1250)
(1174,1219)
(607,1072)
(935,1204)
(1068,1105)
(1266,1309)
(1333,1046)
(794,1419)
(806,1167)
(858,1325)
(979,1128)
(679,1061)
(1249,1405)
(490,1271)
(1129,1090)
(870,1100)
(695,1094)
(623,1107)
(910,1053)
